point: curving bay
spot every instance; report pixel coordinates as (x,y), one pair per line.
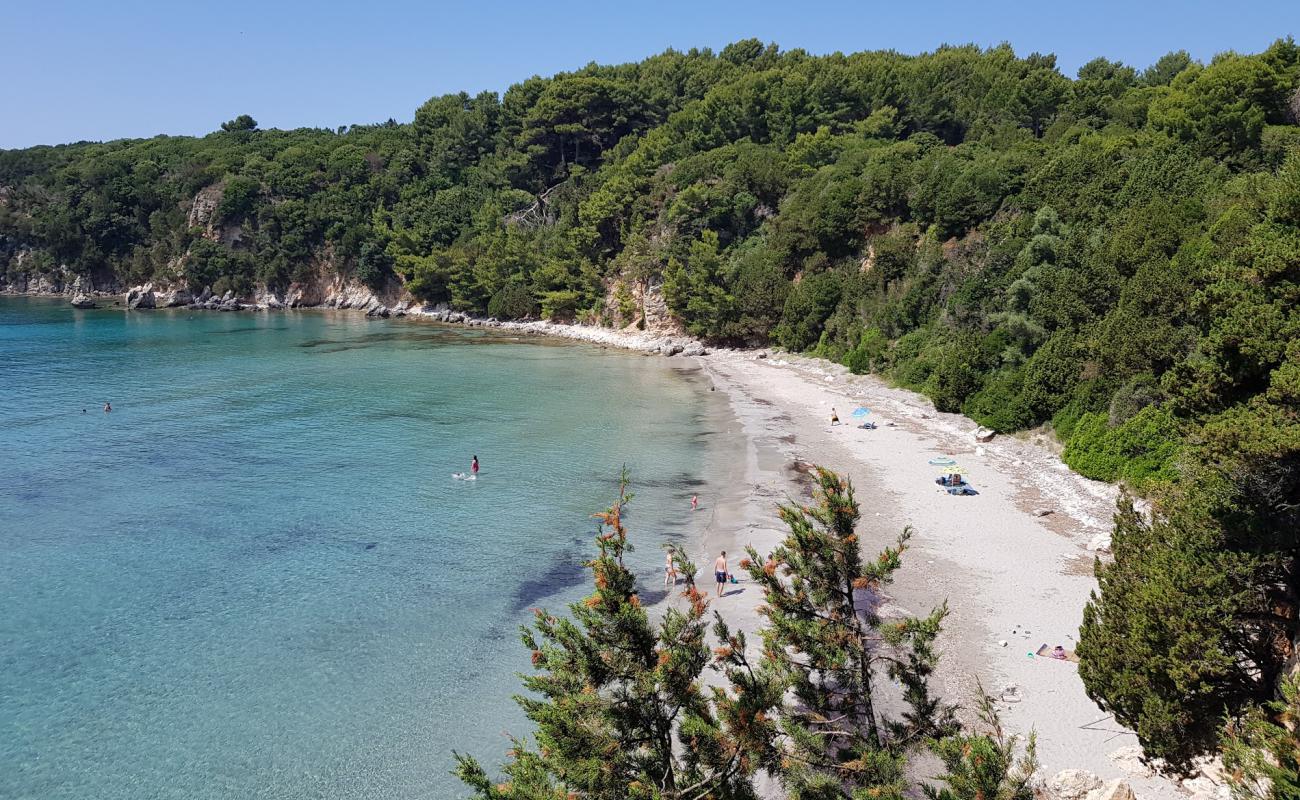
(256,578)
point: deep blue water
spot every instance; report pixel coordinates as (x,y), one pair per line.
(255,578)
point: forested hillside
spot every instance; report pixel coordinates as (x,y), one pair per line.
(1116,255)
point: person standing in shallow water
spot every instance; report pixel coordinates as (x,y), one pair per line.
(695,501)
(720,572)
(473,466)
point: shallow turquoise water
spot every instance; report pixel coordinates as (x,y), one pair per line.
(256,578)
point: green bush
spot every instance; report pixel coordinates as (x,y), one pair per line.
(956,377)
(1139,452)
(560,305)
(512,302)
(870,353)
(1132,397)
(808,305)
(1000,405)
(238,198)
(374,265)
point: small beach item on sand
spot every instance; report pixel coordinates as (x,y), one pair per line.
(1057,653)
(942,461)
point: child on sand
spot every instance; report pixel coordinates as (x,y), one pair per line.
(720,572)
(835,418)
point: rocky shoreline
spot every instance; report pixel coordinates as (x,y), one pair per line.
(349,297)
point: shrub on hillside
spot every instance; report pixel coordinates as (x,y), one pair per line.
(870,353)
(1138,452)
(1000,405)
(374,265)
(512,301)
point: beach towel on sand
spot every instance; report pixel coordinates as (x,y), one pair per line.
(1046,652)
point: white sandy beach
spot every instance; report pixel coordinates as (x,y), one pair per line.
(1007,575)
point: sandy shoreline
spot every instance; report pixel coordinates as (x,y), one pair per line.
(1006,574)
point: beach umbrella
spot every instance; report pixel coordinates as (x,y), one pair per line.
(861,411)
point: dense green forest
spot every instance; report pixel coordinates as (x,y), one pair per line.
(1114,255)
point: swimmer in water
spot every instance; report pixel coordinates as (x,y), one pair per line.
(108,407)
(473,466)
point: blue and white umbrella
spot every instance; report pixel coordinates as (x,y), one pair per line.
(861,411)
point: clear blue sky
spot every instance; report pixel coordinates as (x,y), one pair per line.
(113,68)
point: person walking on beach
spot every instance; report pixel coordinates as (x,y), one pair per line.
(670,571)
(720,572)
(695,502)
(835,418)
(473,466)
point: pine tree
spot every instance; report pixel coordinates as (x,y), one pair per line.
(1186,625)
(984,766)
(619,705)
(827,639)
(1262,751)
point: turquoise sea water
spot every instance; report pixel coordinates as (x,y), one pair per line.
(256,578)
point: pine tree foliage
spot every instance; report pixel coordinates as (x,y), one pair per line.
(1187,623)
(620,704)
(1262,755)
(985,765)
(825,635)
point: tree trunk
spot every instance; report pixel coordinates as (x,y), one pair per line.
(864,665)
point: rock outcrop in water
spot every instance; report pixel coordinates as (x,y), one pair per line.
(141,297)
